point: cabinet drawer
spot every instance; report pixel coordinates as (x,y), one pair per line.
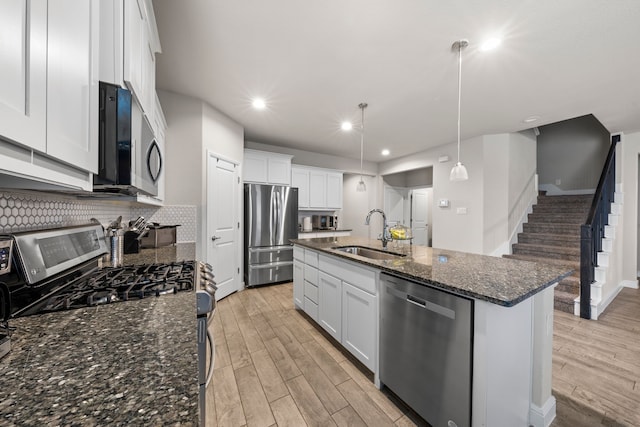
(350,272)
(311,308)
(311,257)
(311,274)
(298,253)
(311,291)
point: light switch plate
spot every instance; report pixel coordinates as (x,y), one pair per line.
(443,203)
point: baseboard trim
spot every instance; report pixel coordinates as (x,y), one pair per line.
(543,416)
(600,307)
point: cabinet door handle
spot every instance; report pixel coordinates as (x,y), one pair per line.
(214,238)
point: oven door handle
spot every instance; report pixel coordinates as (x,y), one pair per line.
(212,357)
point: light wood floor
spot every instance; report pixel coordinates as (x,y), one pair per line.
(274,367)
(596,366)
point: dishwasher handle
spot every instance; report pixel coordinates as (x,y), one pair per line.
(417,301)
(427,305)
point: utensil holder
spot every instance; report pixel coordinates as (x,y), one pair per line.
(116,247)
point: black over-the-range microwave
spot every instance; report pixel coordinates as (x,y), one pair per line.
(130,160)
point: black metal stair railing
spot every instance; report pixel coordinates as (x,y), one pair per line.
(592,231)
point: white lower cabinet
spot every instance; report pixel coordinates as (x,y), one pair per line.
(358,320)
(330,304)
(298,283)
(341,296)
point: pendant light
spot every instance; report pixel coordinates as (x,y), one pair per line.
(459,172)
(361,187)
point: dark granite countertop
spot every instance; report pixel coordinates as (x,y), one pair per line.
(177,252)
(315,230)
(497,280)
(131,363)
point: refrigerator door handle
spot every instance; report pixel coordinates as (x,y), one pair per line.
(278,216)
(274,217)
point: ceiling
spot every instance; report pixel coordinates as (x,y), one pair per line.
(315,61)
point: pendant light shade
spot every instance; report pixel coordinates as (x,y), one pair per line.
(361,187)
(459,171)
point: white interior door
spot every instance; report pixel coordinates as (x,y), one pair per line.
(394,204)
(419,216)
(223,224)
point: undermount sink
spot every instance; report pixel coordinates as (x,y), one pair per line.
(368,252)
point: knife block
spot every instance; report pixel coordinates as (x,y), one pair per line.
(131,243)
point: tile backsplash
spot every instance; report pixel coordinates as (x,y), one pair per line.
(21,211)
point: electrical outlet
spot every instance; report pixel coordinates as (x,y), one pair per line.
(461,211)
(558,181)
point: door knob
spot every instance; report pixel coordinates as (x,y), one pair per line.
(214,238)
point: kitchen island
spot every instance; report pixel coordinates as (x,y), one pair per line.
(127,363)
(511,316)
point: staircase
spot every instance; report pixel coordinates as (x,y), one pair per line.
(552,236)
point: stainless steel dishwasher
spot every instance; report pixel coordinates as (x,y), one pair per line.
(426,350)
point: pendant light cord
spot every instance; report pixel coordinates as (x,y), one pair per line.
(362,106)
(459,92)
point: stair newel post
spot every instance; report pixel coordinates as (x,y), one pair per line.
(586,269)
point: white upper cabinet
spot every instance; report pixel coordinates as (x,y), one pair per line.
(300,180)
(264,167)
(49,92)
(72,82)
(129,42)
(318,189)
(135,39)
(334,190)
(23,72)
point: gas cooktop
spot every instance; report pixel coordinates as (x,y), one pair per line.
(114,284)
(57,269)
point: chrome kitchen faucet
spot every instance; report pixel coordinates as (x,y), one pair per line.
(386,235)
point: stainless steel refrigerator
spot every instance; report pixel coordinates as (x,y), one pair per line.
(270,220)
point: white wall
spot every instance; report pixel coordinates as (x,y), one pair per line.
(495,190)
(497,166)
(222,135)
(356,205)
(627,171)
(460,232)
(193,127)
(183,144)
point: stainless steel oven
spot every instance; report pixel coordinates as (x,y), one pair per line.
(206,305)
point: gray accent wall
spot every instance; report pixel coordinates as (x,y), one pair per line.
(571,154)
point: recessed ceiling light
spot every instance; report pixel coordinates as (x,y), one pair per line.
(346,126)
(490,44)
(531,119)
(258,104)
(385,152)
